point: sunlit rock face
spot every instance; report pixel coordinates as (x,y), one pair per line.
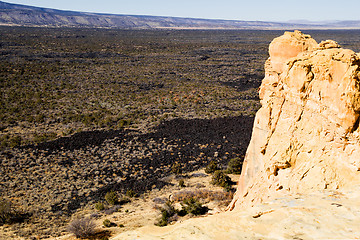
(306,135)
(301,175)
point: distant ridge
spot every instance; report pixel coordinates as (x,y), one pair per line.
(22,15)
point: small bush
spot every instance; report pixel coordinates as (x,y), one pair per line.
(219,178)
(203,194)
(99,206)
(6,211)
(107,223)
(123,123)
(111,198)
(182,183)
(111,210)
(164,220)
(15,141)
(82,228)
(131,193)
(176,168)
(234,166)
(193,206)
(8,214)
(212,167)
(167,211)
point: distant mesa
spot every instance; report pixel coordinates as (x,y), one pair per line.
(22,15)
(306,136)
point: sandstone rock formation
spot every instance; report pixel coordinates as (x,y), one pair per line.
(306,135)
(301,175)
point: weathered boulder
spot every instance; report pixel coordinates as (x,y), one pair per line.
(306,135)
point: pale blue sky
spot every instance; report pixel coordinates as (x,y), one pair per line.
(267,10)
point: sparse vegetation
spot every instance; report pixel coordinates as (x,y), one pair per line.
(99,206)
(107,223)
(182,183)
(190,205)
(127,87)
(219,178)
(131,193)
(212,167)
(112,198)
(82,228)
(167,211)
(205,195)
(6,211)
(176,168)
(234,166)
(193,206)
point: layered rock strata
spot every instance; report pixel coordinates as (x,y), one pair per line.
(306,135)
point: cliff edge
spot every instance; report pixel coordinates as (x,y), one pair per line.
(301,174)
(306,135)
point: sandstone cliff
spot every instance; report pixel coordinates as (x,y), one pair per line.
(301,175)
(306,135)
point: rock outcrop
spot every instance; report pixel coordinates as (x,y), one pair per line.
(301,175)
(306,135)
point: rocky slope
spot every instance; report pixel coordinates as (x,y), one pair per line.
(300,178)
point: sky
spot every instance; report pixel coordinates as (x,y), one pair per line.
(252,10)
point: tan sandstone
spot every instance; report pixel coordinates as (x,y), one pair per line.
(306,134)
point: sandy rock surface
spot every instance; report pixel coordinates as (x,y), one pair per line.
(320,215)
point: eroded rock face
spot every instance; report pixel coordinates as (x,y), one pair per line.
(306,135)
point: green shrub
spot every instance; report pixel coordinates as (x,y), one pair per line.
(131,193)
(167,211)
(212,167)
(234,166)
(219,178)
(82,228)
(107,223)
(111,198)
(182,183)
(164,220)
(193,206)
(99,206)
